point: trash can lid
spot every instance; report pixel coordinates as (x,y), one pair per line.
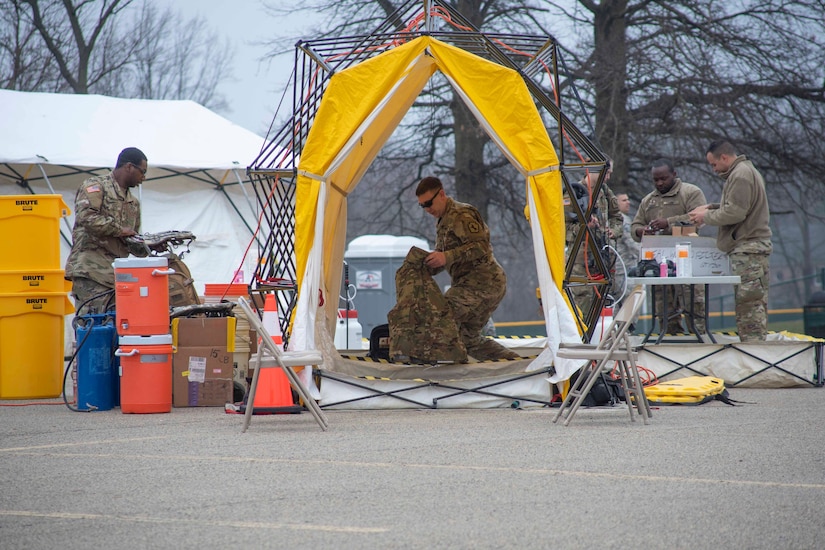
(383,246)
(131,263)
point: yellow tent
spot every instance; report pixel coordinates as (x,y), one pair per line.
(360,109)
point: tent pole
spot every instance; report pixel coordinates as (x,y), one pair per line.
(556,85)
(49,183)
(243,189)
(428,20)
(237,211)
(314,55)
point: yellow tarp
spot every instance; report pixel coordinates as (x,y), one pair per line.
(361,108)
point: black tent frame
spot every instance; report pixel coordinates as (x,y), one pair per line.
(274,171)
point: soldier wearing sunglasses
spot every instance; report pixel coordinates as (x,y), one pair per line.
(478,282)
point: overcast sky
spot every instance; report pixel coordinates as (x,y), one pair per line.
(256,88)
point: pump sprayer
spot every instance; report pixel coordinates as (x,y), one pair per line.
(348,332)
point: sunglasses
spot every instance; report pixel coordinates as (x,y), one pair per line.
(429,203)
(141,170)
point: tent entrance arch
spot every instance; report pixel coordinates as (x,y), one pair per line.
(350,96)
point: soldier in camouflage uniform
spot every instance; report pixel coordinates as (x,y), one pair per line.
(661,209)
(627,247)
(605,223)
(743,217)
(105,213)
(478,282)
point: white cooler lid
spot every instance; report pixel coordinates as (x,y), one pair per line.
(132,263)
(156,340)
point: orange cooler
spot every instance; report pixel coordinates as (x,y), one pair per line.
(145,374)
(142,295)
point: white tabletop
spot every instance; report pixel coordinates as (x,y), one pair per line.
(705,280)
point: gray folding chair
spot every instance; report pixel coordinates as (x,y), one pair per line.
(270,356)
(613,349)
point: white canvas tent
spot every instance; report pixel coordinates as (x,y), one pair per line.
(196,179)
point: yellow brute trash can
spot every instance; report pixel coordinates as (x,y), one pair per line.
(30,225)
(31,344)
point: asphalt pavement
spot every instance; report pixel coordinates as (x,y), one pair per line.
(709,476)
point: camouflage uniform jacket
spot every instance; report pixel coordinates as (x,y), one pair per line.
(464,239)
(421,325)
(628,248)
(608,214)
(673,206)
(102,209)
(742,215)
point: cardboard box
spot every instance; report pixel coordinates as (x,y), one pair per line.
(202,376)
(246,340)
(188,332)
(241,364)
(683,230)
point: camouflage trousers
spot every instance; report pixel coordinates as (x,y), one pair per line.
(430,326)
(471,310)
(99,301)
(751,294)
(678,302)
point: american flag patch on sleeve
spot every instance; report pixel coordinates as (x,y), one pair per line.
(93,189)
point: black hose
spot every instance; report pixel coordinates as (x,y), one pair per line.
(95,297)
(69,368)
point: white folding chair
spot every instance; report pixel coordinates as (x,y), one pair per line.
(613,349)
(270,356)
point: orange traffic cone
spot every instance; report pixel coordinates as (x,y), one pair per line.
(273,393)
